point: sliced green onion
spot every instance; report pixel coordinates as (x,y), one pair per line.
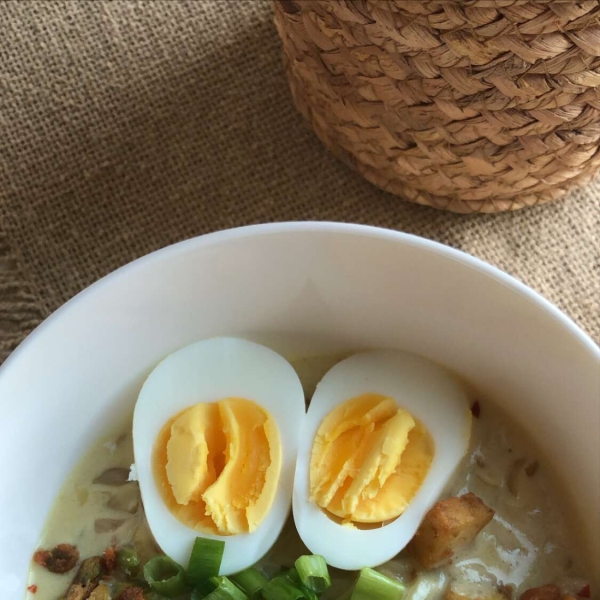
(282,588)
(128,559)
(165,576)
(372,585)
(292,575)
(218,588)
(251,581)
(313,573)
(205,560)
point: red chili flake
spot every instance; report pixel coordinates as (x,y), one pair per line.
(110,558)
(476,409)
(585,591)
(32,588)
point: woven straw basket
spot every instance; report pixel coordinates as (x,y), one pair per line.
(469,106)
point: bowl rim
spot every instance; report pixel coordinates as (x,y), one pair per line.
(352,229)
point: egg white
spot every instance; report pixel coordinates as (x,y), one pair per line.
(427,391)
(208,371)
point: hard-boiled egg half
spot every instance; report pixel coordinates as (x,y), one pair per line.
(384,433)
(216,430)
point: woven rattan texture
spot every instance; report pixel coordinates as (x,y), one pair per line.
(469,106)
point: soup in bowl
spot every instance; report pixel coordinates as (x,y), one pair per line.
(426,427)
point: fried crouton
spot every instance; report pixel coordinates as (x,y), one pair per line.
(449,526)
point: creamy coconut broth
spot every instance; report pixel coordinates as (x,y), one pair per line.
(531,540)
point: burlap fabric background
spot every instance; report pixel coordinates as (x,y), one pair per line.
(127,126)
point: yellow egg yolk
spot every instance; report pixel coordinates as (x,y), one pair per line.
(368,460)
(217,466)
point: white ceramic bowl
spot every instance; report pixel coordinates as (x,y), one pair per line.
(303,288)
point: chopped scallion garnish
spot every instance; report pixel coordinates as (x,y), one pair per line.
(205,560)
(218,588)
(292,575)
(313,573)
(372,585)
(127,559)
(165,576)
(251,581)
(282,588)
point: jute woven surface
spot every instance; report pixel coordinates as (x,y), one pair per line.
(127,126)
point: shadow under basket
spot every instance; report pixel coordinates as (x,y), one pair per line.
(470,106)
